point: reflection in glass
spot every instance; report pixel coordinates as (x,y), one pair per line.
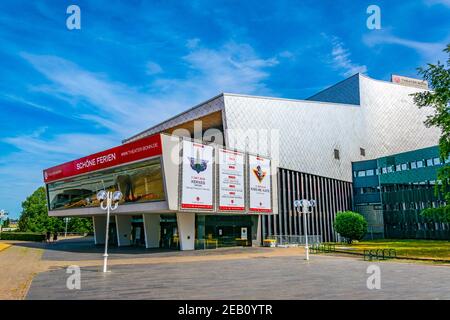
(141,182)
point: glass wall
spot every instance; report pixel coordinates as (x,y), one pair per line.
(213,231)
(139,182)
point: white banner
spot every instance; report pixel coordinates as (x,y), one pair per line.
(197,173)
(231,180)
(259,184)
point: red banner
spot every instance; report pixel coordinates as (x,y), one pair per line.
(129,152)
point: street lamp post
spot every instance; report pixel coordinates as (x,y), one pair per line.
(305,205)
(108,201)
(3,215)
(66,219)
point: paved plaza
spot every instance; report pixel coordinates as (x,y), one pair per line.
(237,273)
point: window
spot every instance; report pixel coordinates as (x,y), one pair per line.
(384,170)
(361,173)
(390,169)
(404,166)
(369,172)
(413,165)
(377,171)
(362,152)
(336,154)
(398,168)
(140,182)
(420,164)
(436,161)
(429,162)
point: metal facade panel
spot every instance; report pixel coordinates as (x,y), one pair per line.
(346,91)
(393,123)
(308,133)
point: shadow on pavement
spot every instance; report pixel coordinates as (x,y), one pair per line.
(77,249)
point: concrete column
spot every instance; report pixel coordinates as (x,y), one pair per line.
(152,230)
(123,227)
(258,241)
(186,230)
(99,223)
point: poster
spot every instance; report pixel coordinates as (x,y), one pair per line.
(260,189)
(231,181)
(197,176)
(244,233)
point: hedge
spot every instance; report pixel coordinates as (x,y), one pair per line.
(25,236)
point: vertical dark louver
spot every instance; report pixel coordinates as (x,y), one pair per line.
(331,196)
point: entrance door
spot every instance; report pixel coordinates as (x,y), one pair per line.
(112,237)
(169,235)
(137,234)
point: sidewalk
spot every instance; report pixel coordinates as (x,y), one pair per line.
(23,260)
(18,266)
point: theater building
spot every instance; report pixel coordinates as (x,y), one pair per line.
(276,150)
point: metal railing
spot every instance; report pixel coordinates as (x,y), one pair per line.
(323,248)
(206,244)
(379,254)
(298,240)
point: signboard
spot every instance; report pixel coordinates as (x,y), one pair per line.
(260,188)
(231,181)
(410,82)
(244,233)
(129,152)
(197,176)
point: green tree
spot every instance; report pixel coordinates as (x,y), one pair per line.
(80,225)
(35,218)
(350,225)
(6,223)
(438,98)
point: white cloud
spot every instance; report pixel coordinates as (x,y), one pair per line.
(20,100)
(153,68)
(434,2)
(192,43)
(341,59)
(430,51)
(233,67)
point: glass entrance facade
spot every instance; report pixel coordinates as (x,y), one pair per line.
(213,231)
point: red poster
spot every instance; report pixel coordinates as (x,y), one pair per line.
(129,152)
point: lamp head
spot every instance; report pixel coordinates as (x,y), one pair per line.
(101,195)
(304,203)
(117,196)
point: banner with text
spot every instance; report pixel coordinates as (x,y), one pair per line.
(137,150)
(231,180)
(197,176)
(260,188)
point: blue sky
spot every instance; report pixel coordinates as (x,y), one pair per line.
(68,93)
